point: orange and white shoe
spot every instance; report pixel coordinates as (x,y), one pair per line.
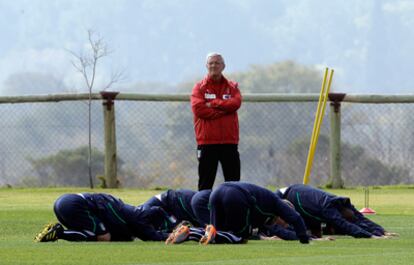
(209,235)
(179,235)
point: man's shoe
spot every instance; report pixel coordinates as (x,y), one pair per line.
(49,233)
(179,235)
(209,235)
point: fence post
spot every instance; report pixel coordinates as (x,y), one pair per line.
(335,179)
(110,139)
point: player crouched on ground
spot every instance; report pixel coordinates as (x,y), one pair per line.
(101,217)
(317,206)
(237,208)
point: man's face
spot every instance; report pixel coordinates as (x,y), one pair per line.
(215,66)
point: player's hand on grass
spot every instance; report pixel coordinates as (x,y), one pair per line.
(326,238)
(263,237)
(391,234)
(381,237)
(376,237)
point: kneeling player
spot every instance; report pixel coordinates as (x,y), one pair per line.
(101,217)
(317,206)
(236,208)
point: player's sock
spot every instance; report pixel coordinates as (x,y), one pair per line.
(227,238)
(72,235)
(196,233)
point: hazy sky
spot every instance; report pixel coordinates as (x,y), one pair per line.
(369,43)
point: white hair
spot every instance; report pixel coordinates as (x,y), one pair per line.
(214,54)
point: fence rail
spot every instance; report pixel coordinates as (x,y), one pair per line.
(303,97)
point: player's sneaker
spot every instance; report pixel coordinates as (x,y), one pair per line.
(49,233)
(209,235)
(179,235)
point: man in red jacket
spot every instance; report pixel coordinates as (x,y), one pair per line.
(215,101)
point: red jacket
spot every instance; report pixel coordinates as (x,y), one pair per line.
(215,105)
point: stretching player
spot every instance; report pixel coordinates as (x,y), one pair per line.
(317,207)
(101,217)
(199,203)
(237,208)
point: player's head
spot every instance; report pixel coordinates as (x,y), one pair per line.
(347,214)
(215,64)
(278,220)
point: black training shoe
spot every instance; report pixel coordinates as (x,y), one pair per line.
(49,233)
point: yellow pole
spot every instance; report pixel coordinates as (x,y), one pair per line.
(323,98)
(307,168)
(319,108)
(318,128)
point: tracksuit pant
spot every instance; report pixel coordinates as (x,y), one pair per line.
(209,157)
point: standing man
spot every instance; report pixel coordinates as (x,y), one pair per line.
(215,101)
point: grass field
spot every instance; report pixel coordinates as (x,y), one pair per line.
(23,212)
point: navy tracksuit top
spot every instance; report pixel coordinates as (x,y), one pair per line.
(122,221)
(263,206)
(176,203)
(316,205)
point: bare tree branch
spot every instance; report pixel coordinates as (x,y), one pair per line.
(86,65)
(116,77)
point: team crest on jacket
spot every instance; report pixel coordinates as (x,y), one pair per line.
(209,96)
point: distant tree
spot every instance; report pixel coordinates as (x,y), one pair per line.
(67,167)
(386,133)
(359,167)
(86,64)
(29,83)
(283,77)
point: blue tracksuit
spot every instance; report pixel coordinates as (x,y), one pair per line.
(177,205)
(238,207)
(199,204)
(317,206)
(98,214)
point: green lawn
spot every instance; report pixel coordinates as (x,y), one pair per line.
(23,212)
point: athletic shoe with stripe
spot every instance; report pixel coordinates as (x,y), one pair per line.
(49,233)
(209,235)
(179,235)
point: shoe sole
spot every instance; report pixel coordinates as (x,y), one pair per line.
(178,237)
(47,234)
(205,240)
